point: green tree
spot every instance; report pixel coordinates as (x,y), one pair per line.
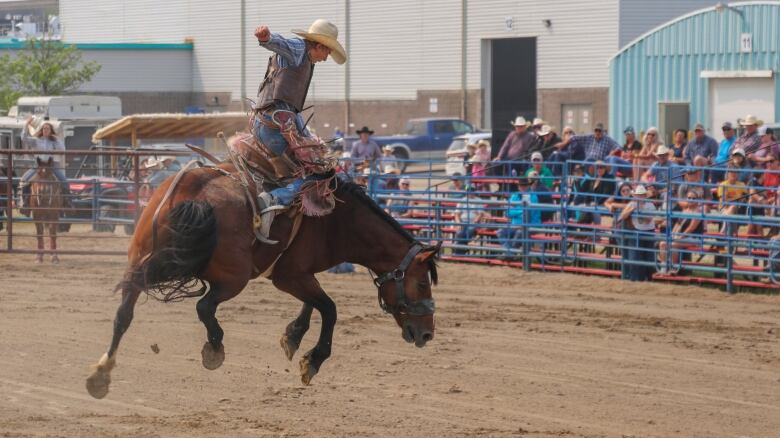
(43,68)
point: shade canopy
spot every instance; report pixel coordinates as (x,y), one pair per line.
(172,126)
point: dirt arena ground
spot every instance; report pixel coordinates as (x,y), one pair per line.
(515,354)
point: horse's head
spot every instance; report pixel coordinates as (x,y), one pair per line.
(44,168)
(406,293)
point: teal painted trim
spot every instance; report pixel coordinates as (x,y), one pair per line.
(109,46)
(777,97)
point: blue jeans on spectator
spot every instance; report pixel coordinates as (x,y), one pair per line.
(640,248)
(463,237)
(511,238)
(618,164)
(556,162)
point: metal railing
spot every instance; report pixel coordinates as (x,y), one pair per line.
(562,228)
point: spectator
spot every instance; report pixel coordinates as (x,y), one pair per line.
(536,125)
(364,149)
(545,174)
(161,169)
(646,155)
(388,163)
(660,170)
(640,240)
(400,207)
(619,201)
(564,152)
(731,194)
(457,188)
(740,165)
(515,147)
(596,146)
(749,140)
(701,145)
(679,143)
(771,182)
(689,227)
(512,235)
(542,192)
(694,182)
(479,163)
(766,148)
(601,188)
(545,141)
(623,160)
(469,213)
(725,145)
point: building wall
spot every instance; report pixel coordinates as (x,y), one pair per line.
(666,65)
(140,70)
(640,16)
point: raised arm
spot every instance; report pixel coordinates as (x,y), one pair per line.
(291,50)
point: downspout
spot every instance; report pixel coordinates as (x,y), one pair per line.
(243,55)
(463,49)
(347,110)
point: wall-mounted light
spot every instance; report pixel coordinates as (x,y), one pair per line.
(547,23)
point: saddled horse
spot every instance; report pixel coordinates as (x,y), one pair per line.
(46,206)
(203,233)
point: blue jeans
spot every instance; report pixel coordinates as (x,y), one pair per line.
(463,237)
(511,238)
(58,173)
(617,163)
(640,249)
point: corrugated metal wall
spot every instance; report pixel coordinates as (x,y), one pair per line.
(666,65)
(129,70)
(639,16)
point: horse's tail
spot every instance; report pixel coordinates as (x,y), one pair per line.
(170,272)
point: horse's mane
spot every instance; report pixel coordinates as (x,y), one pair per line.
(359,193)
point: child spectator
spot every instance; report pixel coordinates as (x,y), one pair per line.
(512,236)
(731,193)
(469,213)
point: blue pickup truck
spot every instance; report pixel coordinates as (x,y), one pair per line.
(426,138)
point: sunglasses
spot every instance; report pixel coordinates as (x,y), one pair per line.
(728,129)
(650,134)
(597,130)
(692,198)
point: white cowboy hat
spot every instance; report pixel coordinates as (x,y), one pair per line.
(326,33)
(750,119)
(662,150)
(150,163)
(640,190)
(537,121)
(520,121)
(545,129)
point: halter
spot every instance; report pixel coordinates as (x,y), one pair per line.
(402,305)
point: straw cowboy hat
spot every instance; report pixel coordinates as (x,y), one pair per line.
(640,190)
(151,163)
(520,121)
(326,33)
(750,119)
(545,129)
(538,121)
(662,150)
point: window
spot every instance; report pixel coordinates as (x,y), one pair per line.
(443,127)
(462,128)
(416,127)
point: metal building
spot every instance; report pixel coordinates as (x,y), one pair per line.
(710,66)
(486,60)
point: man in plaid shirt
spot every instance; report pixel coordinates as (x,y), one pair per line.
(597,146)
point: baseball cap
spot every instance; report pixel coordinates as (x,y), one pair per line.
(763,130)
(698,127)
(727,125)
(404,181)
(628,130)
(599,127)
(738,151)
(537,156)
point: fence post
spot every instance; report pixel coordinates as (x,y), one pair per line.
(95,209)
(9,210)
(136,188)
(668,230)
(729,260)
(564,213)
(526,243)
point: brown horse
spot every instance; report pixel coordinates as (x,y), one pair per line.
(205,234)
(46,205)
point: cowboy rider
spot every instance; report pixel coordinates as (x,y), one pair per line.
(44,139)
(278,123)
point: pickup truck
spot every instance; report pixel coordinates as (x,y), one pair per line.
(426,138)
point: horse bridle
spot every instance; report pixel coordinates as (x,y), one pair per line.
(402,304)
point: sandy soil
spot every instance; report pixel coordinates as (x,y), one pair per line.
(515,354)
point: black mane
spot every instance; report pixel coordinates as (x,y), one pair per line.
(359,192)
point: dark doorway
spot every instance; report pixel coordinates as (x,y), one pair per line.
(512,84)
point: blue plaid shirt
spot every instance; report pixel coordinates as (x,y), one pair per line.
(290,51)
(707,148)
(594,149)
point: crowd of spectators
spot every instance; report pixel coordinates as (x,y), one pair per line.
(635,188)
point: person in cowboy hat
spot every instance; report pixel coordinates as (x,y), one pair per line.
(281,96)
(364,149)
(44,139)
(749,141)
(517,142)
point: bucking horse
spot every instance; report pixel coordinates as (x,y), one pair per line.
(196,238)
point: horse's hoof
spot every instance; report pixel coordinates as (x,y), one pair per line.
(288,346)
(212,359)
(97,383)
(55,259)
(307,371)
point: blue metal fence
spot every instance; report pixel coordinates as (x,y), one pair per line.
(487,219)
